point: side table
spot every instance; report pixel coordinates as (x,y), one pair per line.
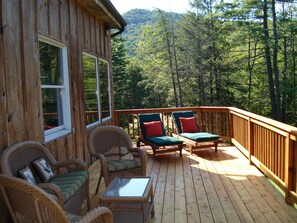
(130,199)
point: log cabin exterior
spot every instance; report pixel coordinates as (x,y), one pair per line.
(83,28)
(72,29)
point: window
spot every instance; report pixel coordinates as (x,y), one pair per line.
(55,88)
(96,89)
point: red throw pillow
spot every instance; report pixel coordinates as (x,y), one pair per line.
(188,124)
(153,129)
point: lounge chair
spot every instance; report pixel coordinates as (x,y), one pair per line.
(154,135)
(188,131)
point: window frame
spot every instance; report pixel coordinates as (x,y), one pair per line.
(66,128)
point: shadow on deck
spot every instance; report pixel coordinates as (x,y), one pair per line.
(209,187)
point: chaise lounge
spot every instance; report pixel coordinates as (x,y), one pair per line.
(154,135)
(188,131)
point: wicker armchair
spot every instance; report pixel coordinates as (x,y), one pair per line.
(113,147)
(71,180)
(29,203)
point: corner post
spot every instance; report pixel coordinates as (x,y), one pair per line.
(288,168)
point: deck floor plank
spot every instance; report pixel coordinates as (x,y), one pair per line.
(237,202)
(191,198)
(202,199)
(209,180)
(180,213)
(227,205)
(169,204)
(239,180)
(208,187)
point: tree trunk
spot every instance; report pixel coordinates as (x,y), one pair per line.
(294,72)
(275,64)
(284,95)
(268,62)
(181,103)
(170,58)
(251,64)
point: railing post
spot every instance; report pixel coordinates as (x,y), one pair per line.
(250,140)
(231,126)
(288,169)
(199,117)
(116,118)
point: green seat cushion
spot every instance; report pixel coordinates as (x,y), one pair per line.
(200,136)
(70,182)
(164,140)
(118,165)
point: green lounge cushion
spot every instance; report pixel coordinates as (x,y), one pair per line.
(164,140)
(69,183)
(200,136)
(118,165)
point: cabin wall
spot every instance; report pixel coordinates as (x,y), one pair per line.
(20,106)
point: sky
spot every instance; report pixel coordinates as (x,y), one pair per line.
(179,6)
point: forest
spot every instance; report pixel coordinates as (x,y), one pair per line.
(241,53)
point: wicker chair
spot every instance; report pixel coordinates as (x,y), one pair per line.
(71,180)
(113,147)
(29,203)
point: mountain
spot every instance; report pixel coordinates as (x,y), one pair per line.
(136,19)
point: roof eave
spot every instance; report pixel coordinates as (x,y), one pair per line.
(104,10)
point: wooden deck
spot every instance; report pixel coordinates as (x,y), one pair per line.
(209,187)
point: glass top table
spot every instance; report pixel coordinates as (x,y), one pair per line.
(128,196)
(127,187)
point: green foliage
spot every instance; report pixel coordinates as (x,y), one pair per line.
(220,57)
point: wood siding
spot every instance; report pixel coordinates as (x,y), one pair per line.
(68,22)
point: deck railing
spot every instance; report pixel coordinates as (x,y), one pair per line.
(270,145)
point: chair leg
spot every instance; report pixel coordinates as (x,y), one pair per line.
(180,150)
(138,143)
(88,203)
(216,146)
(154,152)
(98,185)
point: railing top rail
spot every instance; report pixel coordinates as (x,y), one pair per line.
(149,110)
(269,121)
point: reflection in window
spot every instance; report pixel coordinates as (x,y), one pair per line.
(96,89)
(90,88)
(54,86)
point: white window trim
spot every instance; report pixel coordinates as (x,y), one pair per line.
(109,92)
(65,129)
